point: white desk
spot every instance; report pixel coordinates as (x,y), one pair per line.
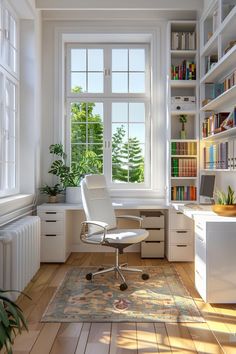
(61,225)
(215,260)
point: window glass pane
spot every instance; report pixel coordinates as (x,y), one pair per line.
(11,176)
(95,60)
(77,152)
(119,59)
(78,112)
(137,112)
(137,82)
(12,31)
(78,133)
(78,82)
(96,110)
(119,82)
(78,59)
(137,132)
(95,82)
(120,133)
(95,133)
(136,60)
(119,112)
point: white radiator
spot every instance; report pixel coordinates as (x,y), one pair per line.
(19,253)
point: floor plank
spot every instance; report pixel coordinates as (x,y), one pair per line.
(99,338)
(123,338)
(146,338)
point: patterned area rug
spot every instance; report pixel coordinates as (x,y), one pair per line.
(162,298)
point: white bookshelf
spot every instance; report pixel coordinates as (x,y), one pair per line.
(184,88)
(220,46)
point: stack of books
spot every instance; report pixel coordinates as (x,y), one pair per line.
(183,193)
(215,156)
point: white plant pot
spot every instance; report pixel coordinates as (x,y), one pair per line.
(73,195)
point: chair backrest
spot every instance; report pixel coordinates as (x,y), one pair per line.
(97,202)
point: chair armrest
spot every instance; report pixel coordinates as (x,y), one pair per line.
(131,217)
(101,224)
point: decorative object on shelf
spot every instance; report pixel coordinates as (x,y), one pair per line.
(70,176)
(183,119)
(229,46)
(225,205)
(183,103)
(52,192)
(12,319)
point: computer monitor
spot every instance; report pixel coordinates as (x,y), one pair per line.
(207,186)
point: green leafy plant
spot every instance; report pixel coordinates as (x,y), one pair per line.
(226,198)
(183,118)
(52,191)
(11,320)
(70,176)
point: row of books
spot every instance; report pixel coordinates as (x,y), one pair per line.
(230,81)
(183,148)
(185,71)
(215,156)
(183,167)
(214,90)
(183,40)
(184,193)
(212,123)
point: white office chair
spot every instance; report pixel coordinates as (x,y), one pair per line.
(101,227)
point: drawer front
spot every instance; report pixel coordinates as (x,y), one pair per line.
(52,226)
(181,253)
(156,235)
(52,248)
(151,222)
(181,237)
(179,221)
(152,249)
(51,215)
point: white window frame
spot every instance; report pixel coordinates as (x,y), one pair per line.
(108,98)
(8,73)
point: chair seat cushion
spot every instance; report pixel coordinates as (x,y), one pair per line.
(129,236)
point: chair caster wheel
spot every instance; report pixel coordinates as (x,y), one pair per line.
(89,276)
(123,286)
(145,276)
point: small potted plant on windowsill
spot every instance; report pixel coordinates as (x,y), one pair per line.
(52,192)
(225,203)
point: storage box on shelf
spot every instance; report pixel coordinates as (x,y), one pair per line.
(180,241)
(218,88)
(154,222)
(183,95)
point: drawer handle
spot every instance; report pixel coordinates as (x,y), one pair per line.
(199,227)
(153,241)
(50,235)
(181,232)
(179,213)
(181,245)
(50,212)
(51,220)
(156,228)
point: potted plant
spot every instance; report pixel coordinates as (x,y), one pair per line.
(52,192)
(11,320)
(225,203)
(70,175)
(183,120)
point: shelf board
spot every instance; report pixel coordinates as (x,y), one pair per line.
(224,98)
(183,53)
(176,113)
(225,65)
(210,46)
(217,170)
(183,83)
(193,156)
(184,140)
(184,177)
(221,135)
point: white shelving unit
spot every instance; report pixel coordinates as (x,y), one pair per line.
(181,53)
(217,64)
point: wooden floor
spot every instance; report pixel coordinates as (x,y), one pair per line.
(217,335)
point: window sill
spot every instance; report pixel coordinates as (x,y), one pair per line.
(13,206)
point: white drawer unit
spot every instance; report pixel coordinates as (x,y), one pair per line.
(215,261)
(180,242)
(153,246)
(55,245)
